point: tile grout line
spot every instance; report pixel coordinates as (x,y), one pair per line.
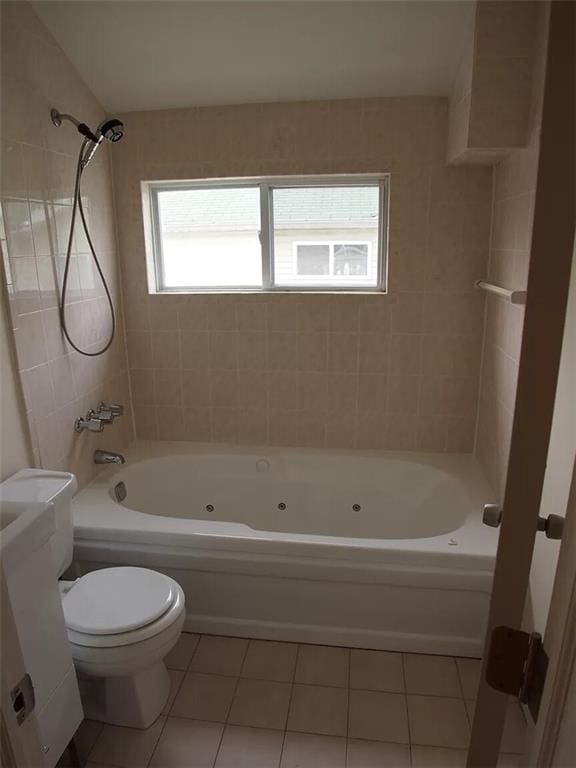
(292,682)
(461,684)
(172,704)
(289,705)
(157,740)
(410,756)
(167,717)
(226,722)
(349,690)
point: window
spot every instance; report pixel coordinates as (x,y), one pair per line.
(334,259)
(275,234)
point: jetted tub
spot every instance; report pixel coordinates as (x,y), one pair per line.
(377,549)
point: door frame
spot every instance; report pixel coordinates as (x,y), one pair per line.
(547,293)
(560,644)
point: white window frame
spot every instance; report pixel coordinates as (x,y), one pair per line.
(155,260)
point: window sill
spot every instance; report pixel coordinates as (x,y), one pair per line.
(280,291)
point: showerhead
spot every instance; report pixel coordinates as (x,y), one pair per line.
(111,129)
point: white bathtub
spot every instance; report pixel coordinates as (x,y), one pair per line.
(376,550)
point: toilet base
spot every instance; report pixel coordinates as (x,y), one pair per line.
(134,701)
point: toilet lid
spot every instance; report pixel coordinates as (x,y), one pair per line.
(115,600)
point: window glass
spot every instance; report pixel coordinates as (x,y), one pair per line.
(210,237)
(326,236)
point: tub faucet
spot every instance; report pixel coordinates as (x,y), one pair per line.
(91,422)
(107,413)
(108,457)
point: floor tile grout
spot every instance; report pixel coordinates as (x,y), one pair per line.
(227,721)
(173,702)
(413,741)
(407,712)
(388,691)
(289,703)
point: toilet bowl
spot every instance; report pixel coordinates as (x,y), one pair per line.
(121,624)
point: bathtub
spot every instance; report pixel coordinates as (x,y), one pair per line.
(375,550)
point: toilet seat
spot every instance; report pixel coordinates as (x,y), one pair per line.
(113,607)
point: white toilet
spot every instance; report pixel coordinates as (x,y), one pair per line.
(121,621)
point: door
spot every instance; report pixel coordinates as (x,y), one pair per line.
(550,262)
(553,739)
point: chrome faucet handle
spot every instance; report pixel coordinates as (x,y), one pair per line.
(109,412)
(91,422)
(492,515)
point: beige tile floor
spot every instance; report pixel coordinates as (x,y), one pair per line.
(238,703)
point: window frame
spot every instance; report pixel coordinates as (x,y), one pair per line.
(266,186)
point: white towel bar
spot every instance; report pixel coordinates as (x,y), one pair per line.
(515,297)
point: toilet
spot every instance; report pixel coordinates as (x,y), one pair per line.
(121,622)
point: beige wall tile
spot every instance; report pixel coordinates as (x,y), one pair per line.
(311,340)
(39,164)
(514,184)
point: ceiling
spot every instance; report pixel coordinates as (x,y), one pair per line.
(156,54)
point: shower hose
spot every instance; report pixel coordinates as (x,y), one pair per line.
(77,205)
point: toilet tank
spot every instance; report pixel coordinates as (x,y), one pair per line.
(48,486)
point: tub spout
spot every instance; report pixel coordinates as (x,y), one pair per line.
(108,457)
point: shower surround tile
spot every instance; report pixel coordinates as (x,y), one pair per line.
(317,370)
(38,166)
(510,243)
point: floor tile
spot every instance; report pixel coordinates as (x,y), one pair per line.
(205,697)
(322,665)
(318,709)
(219,655)
(181,655)
(431,675)
(95,765)
(514,734)
(376,671)
(176,677)
(85,737)
(469,671)
(509,761)
(378,716)
(438,757)
(266,660)
(126,747)
(249,748)
(186,743)
(438,722)
(376,754)
(303,750)
(261,704)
